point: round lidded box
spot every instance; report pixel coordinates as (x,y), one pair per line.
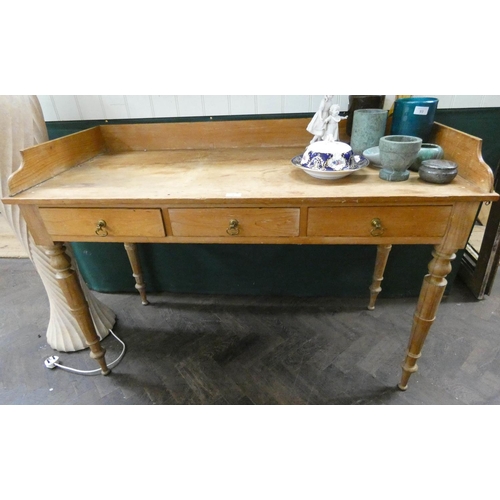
(438,171)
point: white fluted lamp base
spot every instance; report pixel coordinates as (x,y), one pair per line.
(21,126)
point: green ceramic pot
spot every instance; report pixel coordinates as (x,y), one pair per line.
(428,151)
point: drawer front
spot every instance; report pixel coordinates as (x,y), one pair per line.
(103,222)
(239,222)
(403,221)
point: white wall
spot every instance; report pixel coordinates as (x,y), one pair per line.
(109,107)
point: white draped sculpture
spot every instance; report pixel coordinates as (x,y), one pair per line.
(22,125)
(324,125)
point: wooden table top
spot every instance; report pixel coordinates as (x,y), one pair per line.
(226,176)
(247,162)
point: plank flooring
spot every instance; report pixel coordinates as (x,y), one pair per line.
(231,350)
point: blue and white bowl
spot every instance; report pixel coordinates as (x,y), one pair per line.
(329,160)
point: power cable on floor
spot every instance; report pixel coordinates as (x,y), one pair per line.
(52,362)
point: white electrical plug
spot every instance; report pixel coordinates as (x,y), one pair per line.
(51,362)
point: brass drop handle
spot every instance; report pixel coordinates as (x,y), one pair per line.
(101,229)
(233,229)
(378,229)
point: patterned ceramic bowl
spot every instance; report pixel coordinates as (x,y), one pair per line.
(329,160)
(325,156)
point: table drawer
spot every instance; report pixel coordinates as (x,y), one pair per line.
(238,222)
(103,222)
(402,221)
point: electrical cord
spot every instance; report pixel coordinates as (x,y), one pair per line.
(52,362)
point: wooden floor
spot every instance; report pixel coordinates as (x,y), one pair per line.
(205,350)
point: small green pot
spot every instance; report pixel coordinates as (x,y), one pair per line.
(428,151)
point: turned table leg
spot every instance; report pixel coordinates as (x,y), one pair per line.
(383,252)
(70,286)
(135,263)
(431,294)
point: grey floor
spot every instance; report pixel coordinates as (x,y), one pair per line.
(203,350)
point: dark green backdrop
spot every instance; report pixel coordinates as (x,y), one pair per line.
(270,269)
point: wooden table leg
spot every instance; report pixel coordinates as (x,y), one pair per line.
(135,263)
(431,294)
(78,306)
(383,252)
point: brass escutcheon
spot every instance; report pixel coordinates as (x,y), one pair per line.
(233,229)
(100,229)
(377,230)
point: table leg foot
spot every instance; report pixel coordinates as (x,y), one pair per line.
(102,363)
(383,252)
(70,286)
(430,298)
(409,368)
(135,263)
